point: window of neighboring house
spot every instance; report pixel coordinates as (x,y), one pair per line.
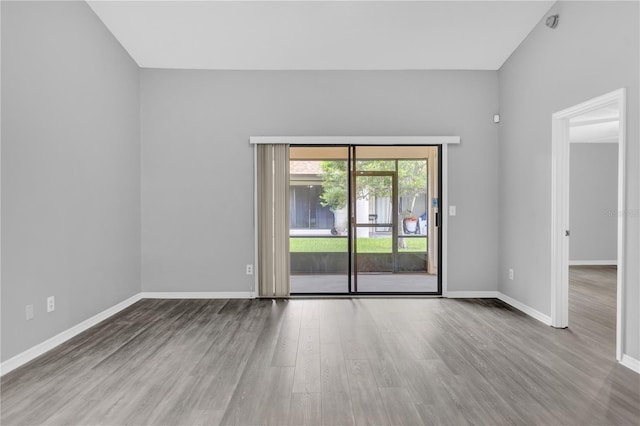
(306,209)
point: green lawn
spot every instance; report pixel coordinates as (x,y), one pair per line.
(365,245)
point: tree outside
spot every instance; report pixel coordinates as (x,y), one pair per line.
(412,182)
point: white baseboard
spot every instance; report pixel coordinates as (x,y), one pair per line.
(545,319)
(39,349)
(196,295)
(593,262)
(472,294)
(506,299)
(630,363)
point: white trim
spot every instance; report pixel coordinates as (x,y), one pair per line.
(593,262)
(472,294)
(545,319)
(592,141)
(444,220)
(591,122)
(1,366)
(622,222)
(355,140)
(593,104)
(560,209)
(256,267)
(197,295)
(559,221)
(39,349)
(630,363)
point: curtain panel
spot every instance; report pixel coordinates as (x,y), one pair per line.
(273,220)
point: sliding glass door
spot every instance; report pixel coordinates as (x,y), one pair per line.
(319,219)
(364,220)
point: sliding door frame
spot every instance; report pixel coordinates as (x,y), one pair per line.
(442,142)
(353,278)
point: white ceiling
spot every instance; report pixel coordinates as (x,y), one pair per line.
(320,35)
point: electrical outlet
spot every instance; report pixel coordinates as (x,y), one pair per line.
(511,274)
(51,304)
(29,312)
(249,269)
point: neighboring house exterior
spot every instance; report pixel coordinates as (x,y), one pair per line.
(305,189)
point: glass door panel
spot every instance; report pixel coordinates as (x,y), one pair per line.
(319,225)
(363,219)
(413,204)
(392,252)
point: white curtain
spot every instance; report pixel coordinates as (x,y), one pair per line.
(273,220)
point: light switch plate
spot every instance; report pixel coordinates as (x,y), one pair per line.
(452,210)
(29,312)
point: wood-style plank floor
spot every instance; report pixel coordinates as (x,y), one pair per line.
(335,362)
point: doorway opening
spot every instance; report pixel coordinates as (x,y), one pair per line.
(584,137)
(364,220)
(593,205)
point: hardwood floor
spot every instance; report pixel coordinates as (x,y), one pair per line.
(334,362)
(592,304)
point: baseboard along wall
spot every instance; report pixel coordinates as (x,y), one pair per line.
(630,363)
(593,262)
(472,295)
(545,319)
(196,295)
(39,349)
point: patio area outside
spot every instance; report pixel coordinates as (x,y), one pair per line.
(388,248)
(367,283)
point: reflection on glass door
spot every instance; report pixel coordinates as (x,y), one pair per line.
(364,220)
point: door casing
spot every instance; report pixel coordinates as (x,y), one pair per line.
(560,210)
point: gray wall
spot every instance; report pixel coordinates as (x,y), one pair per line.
(70,170)
(197,165)
(594,50)
(593,202)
